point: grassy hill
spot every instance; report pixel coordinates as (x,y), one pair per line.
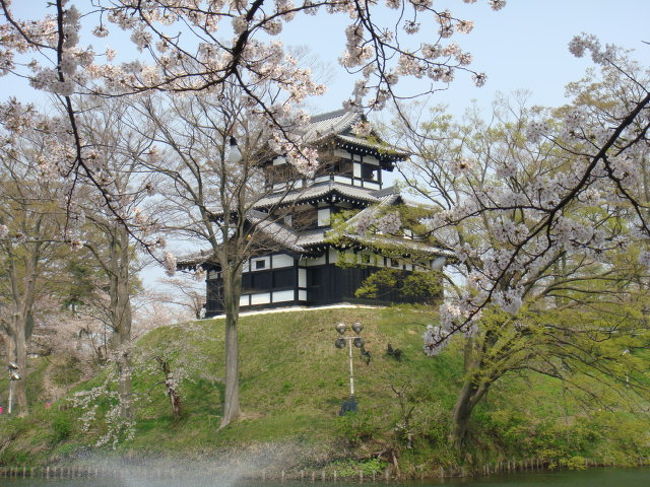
(293,381)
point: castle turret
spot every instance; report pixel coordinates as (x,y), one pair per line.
(296,216)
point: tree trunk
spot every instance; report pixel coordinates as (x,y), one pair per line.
(172,392)
(121,346)
(121,316)
(21,360)
(124,383)
(17,353)
(461,414)
(231,292)
(473,390)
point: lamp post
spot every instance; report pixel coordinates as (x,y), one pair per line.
(13,377)
(349,404)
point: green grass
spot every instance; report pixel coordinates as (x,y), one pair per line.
(293,381)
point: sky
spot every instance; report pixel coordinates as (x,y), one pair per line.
(523,46)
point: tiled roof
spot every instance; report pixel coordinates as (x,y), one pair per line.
(195,258)
(330,123)
(320,190)
(275,231)
(312,237)
(381,147)
(398,242)
(386,199)
(338,124)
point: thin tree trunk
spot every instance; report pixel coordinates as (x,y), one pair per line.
(17,353)
(172,392)
(231,292)
(121,317)
(124,385)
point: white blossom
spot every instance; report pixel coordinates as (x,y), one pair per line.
(200,274)
(100,31)
(389,223)
(411,27)
(362,128)
(435,340)
(169,262)
(480,79)
(465,26)
(510,300)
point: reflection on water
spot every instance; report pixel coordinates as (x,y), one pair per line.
(590,478)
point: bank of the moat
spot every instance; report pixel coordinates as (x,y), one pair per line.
(293,382)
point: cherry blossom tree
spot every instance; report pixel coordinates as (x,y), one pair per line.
(186,294)
(600,144)
(207,46)
(547,222)
(30,239)
(108,235)
(210,150)
(203,45)
(175,362)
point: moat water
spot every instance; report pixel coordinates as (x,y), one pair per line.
(603,477)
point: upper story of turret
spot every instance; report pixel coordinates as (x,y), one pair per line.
(345,156)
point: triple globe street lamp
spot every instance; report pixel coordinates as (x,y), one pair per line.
(351,340)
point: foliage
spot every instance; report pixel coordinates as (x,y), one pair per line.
(100,411)
(415,286)
(551,258)
(171,362)
(357,428)
(61,428)
(350,468)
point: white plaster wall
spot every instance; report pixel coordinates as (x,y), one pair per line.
(261,298)
(281,296)
(282,260)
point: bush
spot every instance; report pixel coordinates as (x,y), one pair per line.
(61,429)
(574,463)
(350,468)
(356,428)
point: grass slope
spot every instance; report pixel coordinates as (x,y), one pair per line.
(293,381)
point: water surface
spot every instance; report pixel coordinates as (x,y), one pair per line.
(639,477)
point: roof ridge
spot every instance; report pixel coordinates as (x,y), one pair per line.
(390,190)
(327,115)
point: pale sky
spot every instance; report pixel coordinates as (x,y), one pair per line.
(523,46)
